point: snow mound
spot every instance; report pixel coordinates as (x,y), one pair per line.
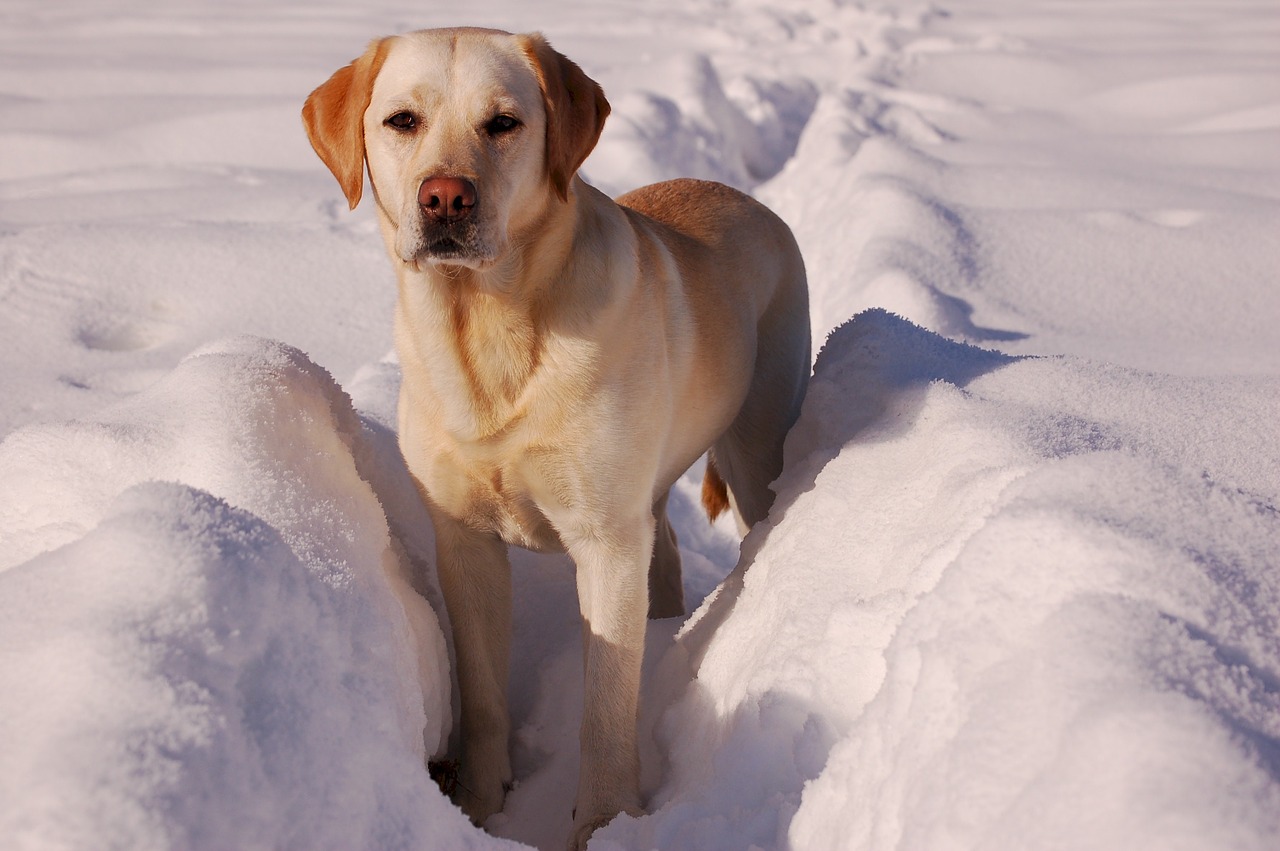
(206,634)
(1039,608)
(740,133)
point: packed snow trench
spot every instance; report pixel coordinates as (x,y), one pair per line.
(1020,586)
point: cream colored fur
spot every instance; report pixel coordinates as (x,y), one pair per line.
(565,358)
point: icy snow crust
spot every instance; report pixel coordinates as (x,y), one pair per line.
(1020,586)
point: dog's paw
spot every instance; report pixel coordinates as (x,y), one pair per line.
(479,805)
(583,828)
(478,799)
(582,832)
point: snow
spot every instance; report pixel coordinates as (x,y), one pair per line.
(1020,586)
(182,654)
(1061,628)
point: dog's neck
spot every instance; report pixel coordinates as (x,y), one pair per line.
(471,340)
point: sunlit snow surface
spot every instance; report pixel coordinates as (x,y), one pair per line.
(1021,587)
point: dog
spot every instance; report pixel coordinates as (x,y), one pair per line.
(565,359)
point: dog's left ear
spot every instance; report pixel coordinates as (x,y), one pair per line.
(576,110)
(334,118)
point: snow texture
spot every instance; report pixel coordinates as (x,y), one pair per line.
(1020,588)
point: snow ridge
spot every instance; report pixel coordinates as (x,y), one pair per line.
(195,646)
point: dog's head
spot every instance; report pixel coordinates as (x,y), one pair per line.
(468,134)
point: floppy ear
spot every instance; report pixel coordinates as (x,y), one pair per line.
(334,118)
(576,110)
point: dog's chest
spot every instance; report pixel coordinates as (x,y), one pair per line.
(498,499)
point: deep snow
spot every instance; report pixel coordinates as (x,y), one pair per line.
(1020,586)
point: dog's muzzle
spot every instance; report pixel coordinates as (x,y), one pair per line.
(448,207)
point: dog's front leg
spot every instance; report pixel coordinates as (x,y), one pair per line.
(475,577)
(613,583)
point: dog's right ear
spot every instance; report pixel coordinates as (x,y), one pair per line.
(334,118)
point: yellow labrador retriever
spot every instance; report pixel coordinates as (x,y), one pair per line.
(565,359)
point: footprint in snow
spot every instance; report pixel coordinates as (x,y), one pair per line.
(111,332)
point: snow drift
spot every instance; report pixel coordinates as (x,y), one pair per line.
(208,633)
(1044,621)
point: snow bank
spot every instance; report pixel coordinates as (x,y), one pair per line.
(207,638)
(1049,620)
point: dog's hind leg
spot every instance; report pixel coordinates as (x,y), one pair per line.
(748,456)
(666,588)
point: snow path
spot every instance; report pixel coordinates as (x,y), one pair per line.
(1017,598)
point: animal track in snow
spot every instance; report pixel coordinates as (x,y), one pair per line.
(130,324)
(122,334)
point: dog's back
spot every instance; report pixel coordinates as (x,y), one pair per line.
(747,256)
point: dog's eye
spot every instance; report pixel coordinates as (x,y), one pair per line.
(500,124)
(402,121)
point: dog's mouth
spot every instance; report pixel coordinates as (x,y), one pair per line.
(449,244)
(446,248)
(450,253)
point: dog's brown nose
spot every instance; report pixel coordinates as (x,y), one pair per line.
(447,199)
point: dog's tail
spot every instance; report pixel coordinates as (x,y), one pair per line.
(715,494)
